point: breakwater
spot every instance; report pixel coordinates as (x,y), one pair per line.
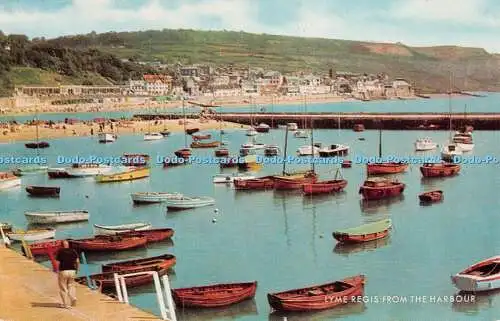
(395,121)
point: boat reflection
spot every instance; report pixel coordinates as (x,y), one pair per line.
(323,198)
(336,313)
(472,303)
(116,256)
(60,226)
(161,244)
(232,312)
(347,249)
(377,206)
(434,182)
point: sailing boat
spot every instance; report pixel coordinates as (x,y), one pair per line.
(34,169)
(451,149)
(186,151)
(464,138)
(335,149)
(305,150)
(222,151)
(252,131)
(381,168)
(149,135)
(288,181)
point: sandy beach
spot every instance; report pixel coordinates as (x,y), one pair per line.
(22,132)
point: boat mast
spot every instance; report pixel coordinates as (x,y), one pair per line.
(449,106)
(37,134)
(380,142)
(284,153)
(184,122)
(312,145)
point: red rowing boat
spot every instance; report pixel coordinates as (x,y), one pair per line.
(321,187)
(386,168)
(106,281)
(346,163)
(364,233)
(373,189)
(198,144)
(440,169)
(318,297)
(211,296)
(200,137)
(45,248)
(43,190)
(221,152)
(165,261)
(183,153)
(108,243)
(294,181)
(431,197)
(266,182)
(153,235)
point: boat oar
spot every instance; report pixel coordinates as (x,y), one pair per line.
(90,283)
(5,239)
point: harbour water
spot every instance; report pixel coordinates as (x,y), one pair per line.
(283,239)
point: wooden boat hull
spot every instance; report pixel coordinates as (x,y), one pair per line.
(32,235)
(108,244)
(319,297)
(182,204)
(124,176)
(254,184)
(37,145)
(106,281)
(345,238)
(440,170)
(365,233)
(43,191)
(375,193)
(200,137)
(191,131)
(163,262)
(152,235)
(56,217)
(45,248)
(386,168)
(151,198)
(483,276)
(291,184)
(324,187)
(198,144)
(183,153)
(223,152)
(58,173)
(211,296)
(431,197)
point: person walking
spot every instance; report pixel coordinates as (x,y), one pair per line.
(68,264)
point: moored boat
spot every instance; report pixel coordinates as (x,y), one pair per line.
(364,233)
(191,131)
(106,281)
(251,132)
(386,168)
(289,182)
(249,162)
(431,196)
(322,187)
(165,261)
(153,197)
(228,179)
(135,159)
(318,297)
(106,138)
(58,172)
(45,248)
(152,235)
(449,151)
(108,243)
(8,180)
(186,202)
(266,182)
(346,163)
(50,217)
(89,169)
(464,142)
(32,235)
(117,229)
(198,144)
(301,134)
(358,128)
(221,152)
(37,145)
(442,169)
(201,136)
(292,127)
(271,150)
(334,150)
(374,188)
(307,150)
(43,190)
(482,276)
(30,170)
(128,175)
(216,295)
(262,128)
(183,153)
(425,144)
(153,136)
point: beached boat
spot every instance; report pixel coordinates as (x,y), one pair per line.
(221,152)
(30,170)
(318,297)
(108,243)
(152,235)
(183,153)
(307,150)
(57,217)
(45,248)
(153,197)
(358,128)
(153,136)
(442,169)
(271,150)
(43,190)
(8,180)
(322,187)
(198,144)
(106,281)
(106,138)
(262,128)
(163,262)
(228,179)
(186,202)
(117,229)
(364,233)
(378,188)
(251,132)
(425,144)
(482,276)
(333,150)
(216,295)
(201,136)
(431,196)
(346,163)
(37,145)
(59,172)
(6,227)
(266,182)
(86,170)
(191,131)
(32,235)
(128,175)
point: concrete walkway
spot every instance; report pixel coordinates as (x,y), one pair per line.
(28,291)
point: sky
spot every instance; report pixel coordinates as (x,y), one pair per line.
(472,23)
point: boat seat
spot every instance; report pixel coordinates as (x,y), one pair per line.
(315,292)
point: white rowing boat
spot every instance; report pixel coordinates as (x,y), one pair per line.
(32,235)
(223,178)
(57,216)
(116,229)
(153,197)
(189,202)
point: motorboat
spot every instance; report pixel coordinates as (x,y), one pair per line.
(307,150)
(425,144)
(106,138)
(334,150)
(153,136)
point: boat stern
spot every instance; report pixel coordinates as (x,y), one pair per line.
(469,283)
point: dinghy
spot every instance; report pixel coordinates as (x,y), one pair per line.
(228,179)
(364,233)
(211,296)
(431,197)
(8,180)
(153,136)
(165,261)
(116,229)
(53,191)
(32,235)
(189,202)
(106,243)
(57,217)
(482,276)
(152,235)
(153,197)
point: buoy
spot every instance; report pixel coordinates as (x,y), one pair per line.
(214,220)
(321,236)
(86,196)
(216,210)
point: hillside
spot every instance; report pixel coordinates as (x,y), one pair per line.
(427,67)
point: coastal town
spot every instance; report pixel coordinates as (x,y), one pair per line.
(210,85)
